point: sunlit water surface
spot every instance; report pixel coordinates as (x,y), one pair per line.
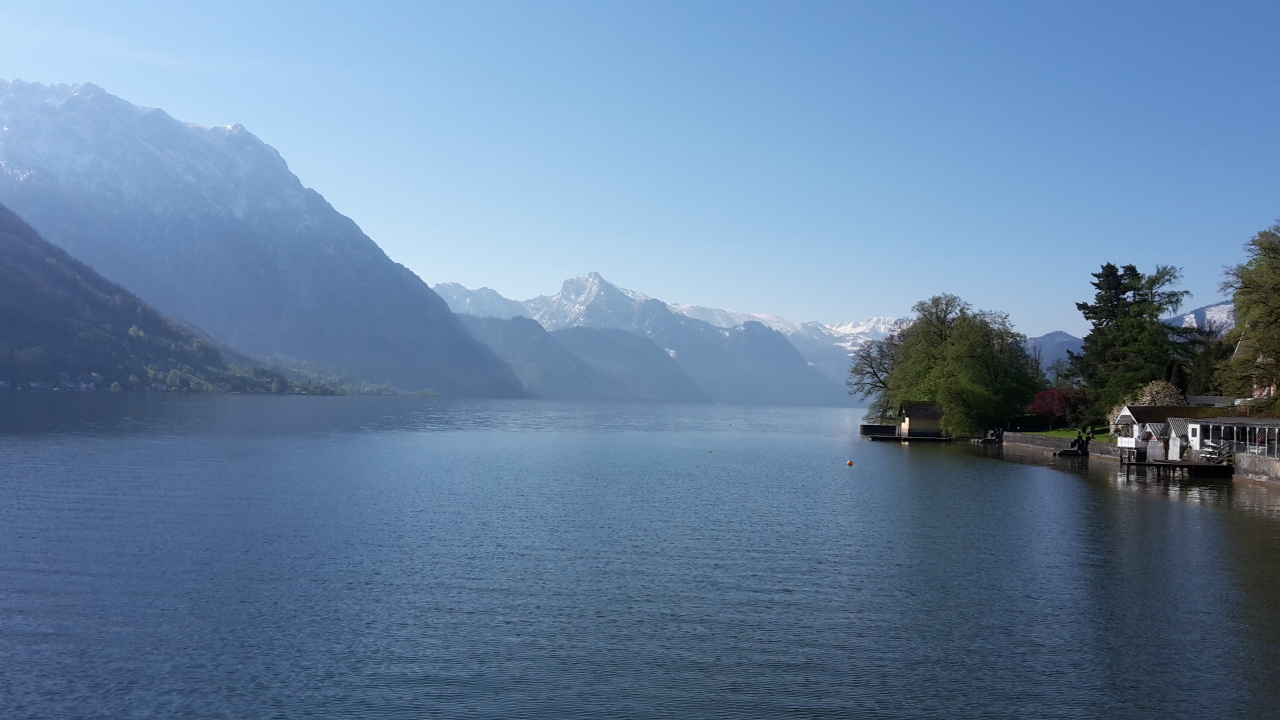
(249,557)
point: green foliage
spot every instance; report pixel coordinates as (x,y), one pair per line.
(1129,346)
(973,364)
(1255,287)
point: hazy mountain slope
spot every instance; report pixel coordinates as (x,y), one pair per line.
(483,302)
(1053,346)
(825,347)
(544,366)
(748,364)
(209,225)
(731,364)
(59,317)
(636,361)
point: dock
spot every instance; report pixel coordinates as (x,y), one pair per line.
(908,438)
(1175,469)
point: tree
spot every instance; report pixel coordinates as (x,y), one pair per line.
(869,377)
(1255,288)
(1056,405)
(1129,346)
(971,363)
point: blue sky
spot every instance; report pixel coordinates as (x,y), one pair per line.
(821,161)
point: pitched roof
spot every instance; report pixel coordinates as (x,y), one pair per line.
(1162,413)
(920,410)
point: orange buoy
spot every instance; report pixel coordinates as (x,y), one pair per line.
(850,463)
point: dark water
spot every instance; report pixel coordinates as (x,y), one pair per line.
(250,557)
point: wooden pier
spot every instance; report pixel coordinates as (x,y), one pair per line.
(1178,469)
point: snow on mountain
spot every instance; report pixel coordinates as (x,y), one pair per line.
(589,301)
(484,302)
(592,301)
(1221,316)
(209,225)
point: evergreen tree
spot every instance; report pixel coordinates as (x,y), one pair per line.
(1129,346)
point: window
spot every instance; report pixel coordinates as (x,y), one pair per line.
(1193,430)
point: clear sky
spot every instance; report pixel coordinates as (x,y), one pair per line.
(820,161)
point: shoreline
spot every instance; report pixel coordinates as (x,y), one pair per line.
(1047,445)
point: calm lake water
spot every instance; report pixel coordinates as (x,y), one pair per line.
(249,557)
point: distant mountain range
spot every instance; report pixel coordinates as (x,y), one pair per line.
(592,301)
(209,225)
(748,363)
(1054,346)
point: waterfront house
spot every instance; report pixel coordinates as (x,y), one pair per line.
(1250,436)
(920,419)
(1145,430)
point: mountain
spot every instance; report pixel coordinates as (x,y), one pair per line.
(650,372)
(61,323)
(746,364)
(583,363)
(1053,346)
(481,303)
(544,366)
(826,348)
(1221,316)
(208,225)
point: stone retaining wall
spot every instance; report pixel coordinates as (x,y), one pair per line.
(1257,468)
(1099,449)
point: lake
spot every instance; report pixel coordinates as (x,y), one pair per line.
(387,557)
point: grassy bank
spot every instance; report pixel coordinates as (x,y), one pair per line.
(1070,434)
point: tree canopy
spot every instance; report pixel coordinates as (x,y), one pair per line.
(1129,346)
(972,363)
(1255,288)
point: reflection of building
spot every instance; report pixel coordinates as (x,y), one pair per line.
(920,419)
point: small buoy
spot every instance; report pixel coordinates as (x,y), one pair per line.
(850,463)
(710,451)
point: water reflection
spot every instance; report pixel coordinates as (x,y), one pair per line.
(89,413)
(1240,494)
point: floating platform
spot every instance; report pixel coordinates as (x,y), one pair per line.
(912,438)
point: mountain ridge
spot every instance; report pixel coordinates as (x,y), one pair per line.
(825,347)
(748,363)
(209,225)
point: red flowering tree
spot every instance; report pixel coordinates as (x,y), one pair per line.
(1056,404)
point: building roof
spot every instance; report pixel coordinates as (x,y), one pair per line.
(1245,421)
(1159,430)
(920,410)
(1214,400)
(1162,413)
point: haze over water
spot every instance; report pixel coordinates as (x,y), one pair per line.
(404,557)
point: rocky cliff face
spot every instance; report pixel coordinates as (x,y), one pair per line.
(209,225)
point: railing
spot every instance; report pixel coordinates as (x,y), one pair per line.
(1245,447)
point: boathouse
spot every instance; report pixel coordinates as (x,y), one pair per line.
(920,419)
(1250,436)
(1146,431)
